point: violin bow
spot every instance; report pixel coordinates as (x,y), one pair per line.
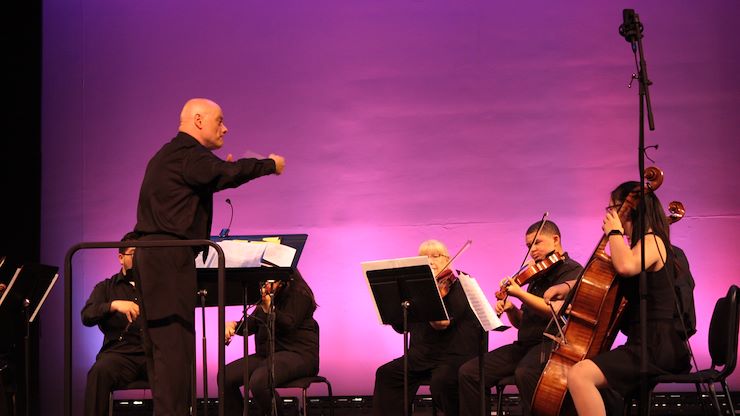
(529,250)
(463,248)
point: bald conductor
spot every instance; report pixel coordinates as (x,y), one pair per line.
(176,203)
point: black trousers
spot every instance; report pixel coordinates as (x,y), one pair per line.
(167,286)
(111,371)
(388,394)
(525,363)
(288,366)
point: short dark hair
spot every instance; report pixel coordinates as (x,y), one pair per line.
(549,228)
(130,236)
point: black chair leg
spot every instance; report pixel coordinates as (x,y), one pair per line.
(331,398)
(499,399)
(714,398)
(729,397)
(700,396)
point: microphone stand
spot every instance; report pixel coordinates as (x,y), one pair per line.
(632,31)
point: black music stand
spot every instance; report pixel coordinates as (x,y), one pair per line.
(405,291)
(243,288)
(27,292)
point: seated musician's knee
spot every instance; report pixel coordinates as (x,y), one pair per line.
(579,374)
(468,371)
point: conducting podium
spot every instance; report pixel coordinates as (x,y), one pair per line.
(251,262)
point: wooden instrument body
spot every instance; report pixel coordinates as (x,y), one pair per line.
(594,316)
(591,329)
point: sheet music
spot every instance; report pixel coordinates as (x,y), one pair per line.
(278,254)
(237,253)
(480,305)
(246,253)
(391,264)
(394,263)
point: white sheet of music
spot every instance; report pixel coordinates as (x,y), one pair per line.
(237,253)
(480,305)
(278,254)
(391,264)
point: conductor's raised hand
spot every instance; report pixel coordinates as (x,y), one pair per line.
(126,307)
(279,163)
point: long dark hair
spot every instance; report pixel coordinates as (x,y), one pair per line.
(655,216)
(297,285)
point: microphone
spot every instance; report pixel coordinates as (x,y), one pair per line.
(631,28)
(225,231)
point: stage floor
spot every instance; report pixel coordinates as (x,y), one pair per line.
(682,403)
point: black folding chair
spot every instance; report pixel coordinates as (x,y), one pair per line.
(723,338)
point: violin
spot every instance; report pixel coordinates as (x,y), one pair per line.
(271,287)
(525,275)
(444,281)
(446,278)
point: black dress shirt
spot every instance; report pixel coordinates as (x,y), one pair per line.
(118,335)
(176,196)
(533,324)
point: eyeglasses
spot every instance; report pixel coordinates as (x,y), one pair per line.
(128,254)
(436,256)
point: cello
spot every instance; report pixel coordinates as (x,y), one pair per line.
(595,310)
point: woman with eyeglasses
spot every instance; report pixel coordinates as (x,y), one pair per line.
(436,350)
(619,369)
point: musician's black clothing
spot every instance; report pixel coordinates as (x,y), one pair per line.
(175,203)
(296,351)
(121,359)
(118,335)
(433,354)
(667,351)
(526,357)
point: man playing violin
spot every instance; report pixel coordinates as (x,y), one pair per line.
(526,357)
(436,349)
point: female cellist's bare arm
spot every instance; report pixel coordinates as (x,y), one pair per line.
(626,260)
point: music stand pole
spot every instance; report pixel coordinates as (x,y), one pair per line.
(27,352)
(405,306)
(245,367)
(202,294)
(271,355)
(482,348)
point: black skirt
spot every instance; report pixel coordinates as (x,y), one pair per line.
(667,354)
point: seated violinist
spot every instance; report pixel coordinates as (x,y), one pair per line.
(436,349)
(296,345)
(523,358)
(619,369)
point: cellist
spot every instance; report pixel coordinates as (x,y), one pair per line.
(523,358)
(619,369)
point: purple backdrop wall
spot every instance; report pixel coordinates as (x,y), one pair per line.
(400,121)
